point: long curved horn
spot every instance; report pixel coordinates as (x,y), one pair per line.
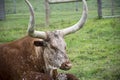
(79,24)
(31,31)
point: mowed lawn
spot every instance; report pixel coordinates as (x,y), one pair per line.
(94,50)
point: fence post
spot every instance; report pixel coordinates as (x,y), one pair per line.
(47,13)
(2,10)
(99,2)
(14,2)
(76,5)
(112,7)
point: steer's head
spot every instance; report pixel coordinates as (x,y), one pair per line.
(53,41)
(54,51)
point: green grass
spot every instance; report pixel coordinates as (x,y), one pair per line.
(94,50)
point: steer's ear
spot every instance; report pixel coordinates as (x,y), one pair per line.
(40,43)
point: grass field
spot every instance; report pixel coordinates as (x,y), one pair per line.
(94,50)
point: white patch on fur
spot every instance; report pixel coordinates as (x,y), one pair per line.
(37,51)
(62,76)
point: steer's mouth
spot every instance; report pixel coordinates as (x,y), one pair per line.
(66,66)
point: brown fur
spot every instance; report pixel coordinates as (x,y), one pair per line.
(36,76)
(19,57)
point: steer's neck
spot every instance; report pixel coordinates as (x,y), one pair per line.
(40,60)
(52,72)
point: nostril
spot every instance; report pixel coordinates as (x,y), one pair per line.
(66,66)
(69,65)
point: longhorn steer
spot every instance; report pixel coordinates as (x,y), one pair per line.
(39,51)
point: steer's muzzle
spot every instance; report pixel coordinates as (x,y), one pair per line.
(66,66)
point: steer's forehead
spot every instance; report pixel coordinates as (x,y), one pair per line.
(54,34)
(56,39)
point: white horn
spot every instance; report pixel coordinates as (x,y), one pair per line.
(79,24)
(31,31)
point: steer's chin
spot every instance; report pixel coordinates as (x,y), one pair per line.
(65,68)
